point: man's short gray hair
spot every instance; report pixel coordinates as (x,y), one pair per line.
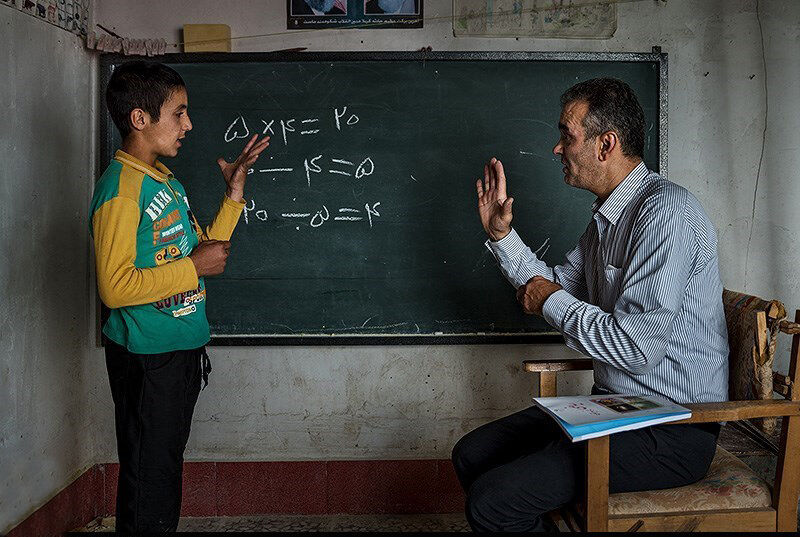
(613,106)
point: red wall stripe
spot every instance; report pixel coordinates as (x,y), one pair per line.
(253,488)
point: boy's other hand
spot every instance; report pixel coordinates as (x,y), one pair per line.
(209,257)
(235,173)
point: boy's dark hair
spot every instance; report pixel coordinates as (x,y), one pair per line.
(612,107)
(139,84)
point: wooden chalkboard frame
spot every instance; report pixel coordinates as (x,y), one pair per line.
(105,128)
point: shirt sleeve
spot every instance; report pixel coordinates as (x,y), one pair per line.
(119,281)
(519,264)
(633,337)
(221,228)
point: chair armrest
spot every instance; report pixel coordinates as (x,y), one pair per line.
(539,366)
(739,410)
(547,370)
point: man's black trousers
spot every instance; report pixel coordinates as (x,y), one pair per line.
(517,468)
(154,398)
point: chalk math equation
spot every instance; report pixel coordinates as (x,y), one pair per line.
(286,128)
(333,166)
(320,216)
(308,168)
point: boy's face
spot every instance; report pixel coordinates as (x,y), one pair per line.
(165,134)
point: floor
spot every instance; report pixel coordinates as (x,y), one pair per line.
(309,523)
(755,454)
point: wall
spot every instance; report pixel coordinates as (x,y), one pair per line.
(46,437)
(276,403)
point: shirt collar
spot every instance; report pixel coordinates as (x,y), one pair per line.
(159,172)
(613,206)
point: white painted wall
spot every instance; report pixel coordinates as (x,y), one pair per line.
(277,403)
(46,435)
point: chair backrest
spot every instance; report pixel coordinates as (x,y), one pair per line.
(753,324)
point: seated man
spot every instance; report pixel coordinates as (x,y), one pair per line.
(640,294)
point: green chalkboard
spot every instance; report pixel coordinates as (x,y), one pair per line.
(361,220)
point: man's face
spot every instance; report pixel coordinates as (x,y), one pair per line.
(172,125)
(576,152)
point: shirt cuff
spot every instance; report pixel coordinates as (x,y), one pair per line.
(507,248)
(234,204)
(191,272)
(556,307)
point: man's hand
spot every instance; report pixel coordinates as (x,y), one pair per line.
(235,173)
(209,257)
(533,294)
(494,207)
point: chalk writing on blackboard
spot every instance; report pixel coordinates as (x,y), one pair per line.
(239,129)
(319,216)
(313,166)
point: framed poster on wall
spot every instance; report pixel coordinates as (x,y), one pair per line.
(307,14)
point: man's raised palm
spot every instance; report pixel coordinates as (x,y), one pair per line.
(494,206)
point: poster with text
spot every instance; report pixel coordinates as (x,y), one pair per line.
(308,14)
(578,19)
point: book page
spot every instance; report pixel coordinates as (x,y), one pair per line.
(580,410)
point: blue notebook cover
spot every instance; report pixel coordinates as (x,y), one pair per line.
(584,417)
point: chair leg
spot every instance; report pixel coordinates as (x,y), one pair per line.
(787,479)
(547,384)
(787,476)
(597,466)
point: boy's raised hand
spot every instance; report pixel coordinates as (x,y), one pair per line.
(494,206)
(235,173)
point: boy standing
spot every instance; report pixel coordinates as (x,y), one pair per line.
(151,258)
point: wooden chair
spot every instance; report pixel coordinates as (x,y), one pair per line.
(731,497)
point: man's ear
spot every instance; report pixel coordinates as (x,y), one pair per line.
(606,142)
(138,119)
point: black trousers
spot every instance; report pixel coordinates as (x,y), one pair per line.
(154,398)
(517,468)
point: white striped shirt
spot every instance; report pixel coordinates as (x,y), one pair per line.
(641,293)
